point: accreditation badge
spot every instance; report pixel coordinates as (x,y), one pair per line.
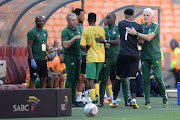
(43,47)
(107,45)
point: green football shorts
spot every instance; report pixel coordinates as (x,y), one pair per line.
(93,70)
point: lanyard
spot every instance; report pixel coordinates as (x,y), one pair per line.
(148,27)
(42,37)
(111,32)
(80,28)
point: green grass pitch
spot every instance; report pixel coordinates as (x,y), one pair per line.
(125,113)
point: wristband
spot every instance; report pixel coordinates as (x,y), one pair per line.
(105,41)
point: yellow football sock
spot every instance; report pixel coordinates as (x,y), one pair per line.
(64,83)
(109,89)
(92,94)
(96,85)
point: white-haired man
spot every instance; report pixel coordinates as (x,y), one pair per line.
(71,48)
(151,55)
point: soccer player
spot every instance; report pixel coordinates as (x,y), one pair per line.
(151,55)
(112,48)
(80,18)
(37,39)
(71,47)
(95,54)
(128,59)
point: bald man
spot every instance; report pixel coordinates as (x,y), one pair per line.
(37,44)
(112,47)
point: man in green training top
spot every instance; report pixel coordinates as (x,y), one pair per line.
(71,44)
(37,39)
(150,55)
(112,48)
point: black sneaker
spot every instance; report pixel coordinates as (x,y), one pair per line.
(83,103)
(101,105)
(97,98)
(147,105)
(128,103)
(165,103)
(73,105)
(95,102)
(79,104)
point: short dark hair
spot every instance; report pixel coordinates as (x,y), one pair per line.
(92,17)
(129,11)
(112,14)
(77,11)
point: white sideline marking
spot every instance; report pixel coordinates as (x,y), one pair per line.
(77,108)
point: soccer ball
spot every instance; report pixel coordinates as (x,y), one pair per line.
(90,110)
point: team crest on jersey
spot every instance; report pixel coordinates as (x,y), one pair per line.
(114,32)
(149,29)
(44,34)
(38,35)
(72,34)
(78,32)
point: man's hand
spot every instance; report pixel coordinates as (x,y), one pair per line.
(77,37)
(87,47)
(55,44)
(83,48)
(100,40)
(131,31)
(64,71)
(140,42)
(56,73)
(33,64)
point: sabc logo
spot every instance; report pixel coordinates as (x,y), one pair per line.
(30,106)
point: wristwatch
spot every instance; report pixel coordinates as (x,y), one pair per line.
(105,41)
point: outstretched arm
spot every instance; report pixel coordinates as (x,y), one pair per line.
(114,42)
(147,37)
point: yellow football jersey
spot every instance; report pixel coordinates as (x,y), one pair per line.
(96,53)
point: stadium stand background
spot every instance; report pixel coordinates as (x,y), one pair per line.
(170,17)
